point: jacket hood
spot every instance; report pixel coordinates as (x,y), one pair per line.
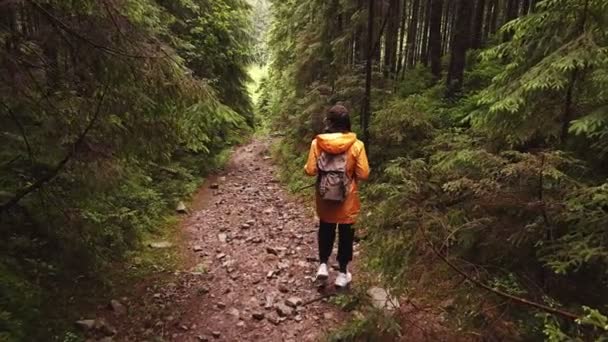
(336,143)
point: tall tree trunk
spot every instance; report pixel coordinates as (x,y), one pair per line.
(412,33)
(459,48)
(435,37)
(452,15)
(477,34)
(391,39)
(365,112)
(510,14)
(512,10)
(401,54)
(567,115)
(490,4)
(525,7)
(568,105)
(494,17)
(8,19)
(424,53)
(445,27)
(379,13)
(363,40)
(532,6)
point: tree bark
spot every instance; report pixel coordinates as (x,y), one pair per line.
(379,11)
(477,34)
(435,37)
(488,20)
(401,54)
(525,7)
(445,27)
(424,51)
(391,39)
(459,48)
(365,113)
(412,33)
(494,17)
(362,37)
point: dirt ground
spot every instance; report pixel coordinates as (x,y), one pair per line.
(250,260)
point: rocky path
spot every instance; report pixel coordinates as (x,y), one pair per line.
(252,252)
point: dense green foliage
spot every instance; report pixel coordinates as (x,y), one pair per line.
(110,112)
(505,177)
(260,19)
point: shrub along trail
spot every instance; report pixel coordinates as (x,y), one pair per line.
(252,255)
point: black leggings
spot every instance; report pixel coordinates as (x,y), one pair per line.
(327,236)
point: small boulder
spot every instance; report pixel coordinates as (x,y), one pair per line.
(283,310)
(258,315)
(382,299)
(274,319)
(234,313)
(269,302)
(181,208)
(86,324)
(160,244)
(293,302)
(104,328)
(118,307)
(222,237)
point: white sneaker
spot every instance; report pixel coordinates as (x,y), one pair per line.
(343,279)
(322,273)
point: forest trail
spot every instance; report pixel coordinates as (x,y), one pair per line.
(251,249)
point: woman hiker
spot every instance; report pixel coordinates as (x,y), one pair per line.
(339,161)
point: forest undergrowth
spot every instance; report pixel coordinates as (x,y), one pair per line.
(111,113)
(488,192)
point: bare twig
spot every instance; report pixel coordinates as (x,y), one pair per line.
(319,298)
(304,187)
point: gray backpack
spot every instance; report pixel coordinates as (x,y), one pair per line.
(332,182)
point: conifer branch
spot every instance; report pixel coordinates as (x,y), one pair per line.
(55,171)
(559,312)
(19,125)
(73,32)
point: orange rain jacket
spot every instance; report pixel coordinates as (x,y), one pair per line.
(357,169)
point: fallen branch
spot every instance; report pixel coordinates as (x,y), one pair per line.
(319,298)
(305,187)
(523,301)
(55,171)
